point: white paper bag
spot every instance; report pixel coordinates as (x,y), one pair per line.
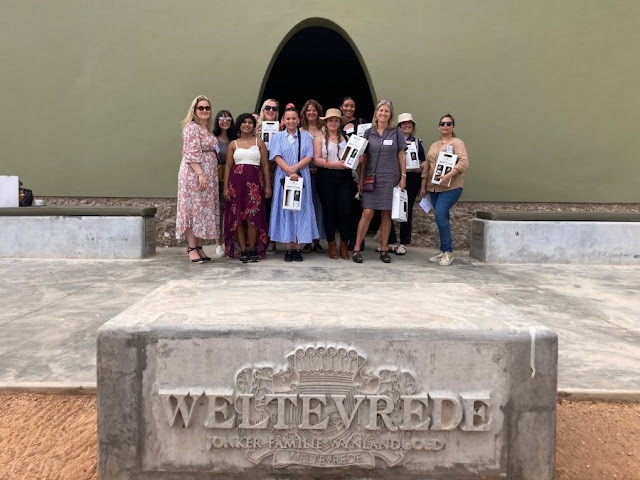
(9,191)
(400,205)
(355,147)
(292,197)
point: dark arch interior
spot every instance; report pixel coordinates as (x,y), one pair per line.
(318,63)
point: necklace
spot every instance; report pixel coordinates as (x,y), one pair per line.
(247,141)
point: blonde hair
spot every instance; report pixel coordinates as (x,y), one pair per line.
(191,114)
(264,104)
(303,113)
(388,103)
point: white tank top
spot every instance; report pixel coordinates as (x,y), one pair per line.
(246,156)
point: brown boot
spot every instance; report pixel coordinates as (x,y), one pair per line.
(344,250)
(333,252)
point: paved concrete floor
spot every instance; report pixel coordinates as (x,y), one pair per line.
(50,309)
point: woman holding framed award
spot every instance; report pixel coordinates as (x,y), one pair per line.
(444,183)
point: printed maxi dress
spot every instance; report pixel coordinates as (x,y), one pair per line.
(289,226)
(198,210)
(246,202)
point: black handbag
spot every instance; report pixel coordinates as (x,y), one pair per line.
(26,197)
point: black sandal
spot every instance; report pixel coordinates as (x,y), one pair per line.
(318,248)
(205,258)
(199,260)
(244,256)
(356,256)
(384,256)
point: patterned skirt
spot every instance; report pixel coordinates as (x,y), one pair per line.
(247,203)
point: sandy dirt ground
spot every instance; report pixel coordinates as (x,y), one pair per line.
(49,437)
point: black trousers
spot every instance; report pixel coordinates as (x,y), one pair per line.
(334,188)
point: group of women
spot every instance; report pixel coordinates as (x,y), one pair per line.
(334,197)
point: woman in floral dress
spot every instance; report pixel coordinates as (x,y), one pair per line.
(198,215)
(247,183)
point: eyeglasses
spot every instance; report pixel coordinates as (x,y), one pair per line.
(269,108)
(203,108)
(448,124)
(224,119)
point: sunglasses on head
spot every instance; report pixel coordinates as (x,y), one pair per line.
(269,108)
(448,124)
(202,108)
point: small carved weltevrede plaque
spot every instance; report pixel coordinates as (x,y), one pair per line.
(325,409)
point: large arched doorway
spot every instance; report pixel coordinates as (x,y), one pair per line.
(318,62)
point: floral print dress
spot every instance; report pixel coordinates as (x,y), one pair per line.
(198,210)
(246,202)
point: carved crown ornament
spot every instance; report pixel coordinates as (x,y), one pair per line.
(326,409)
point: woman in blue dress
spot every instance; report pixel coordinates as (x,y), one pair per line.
(292,151)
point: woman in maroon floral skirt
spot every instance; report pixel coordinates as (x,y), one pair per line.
(246,185)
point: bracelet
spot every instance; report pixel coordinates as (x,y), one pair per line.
(404,174)
(200,174)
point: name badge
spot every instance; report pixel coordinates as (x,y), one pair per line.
(349,132)
(217,149)
(342,144)
(449,148)
(291,139)
(388,142)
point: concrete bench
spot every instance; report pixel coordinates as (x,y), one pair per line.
(556,237)
(77,232)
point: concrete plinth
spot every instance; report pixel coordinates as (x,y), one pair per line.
(77,232)
(588,242)
(267,380)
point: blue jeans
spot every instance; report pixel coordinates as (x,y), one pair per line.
(442,203)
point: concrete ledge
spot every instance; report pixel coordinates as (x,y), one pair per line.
(77,232)
(553,241)
(78,211)
(590,395)
(527,216)
(48,388)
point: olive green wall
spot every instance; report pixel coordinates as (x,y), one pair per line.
(544,92)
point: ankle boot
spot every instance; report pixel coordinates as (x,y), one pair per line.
(344,250)
(333,252)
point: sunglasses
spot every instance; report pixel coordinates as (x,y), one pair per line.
(448,124)
(203,108)
(269,108)
(224,119)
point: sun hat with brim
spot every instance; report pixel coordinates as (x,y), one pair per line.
(334,112)
(405,117)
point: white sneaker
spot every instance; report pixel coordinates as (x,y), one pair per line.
(447,258)
(220,251)
(436,258)
(401,250)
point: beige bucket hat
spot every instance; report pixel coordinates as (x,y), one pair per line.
(406,117)
(334,112)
